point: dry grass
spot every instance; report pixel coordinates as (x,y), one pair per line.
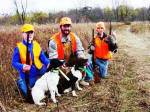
(140,27)
(120,92)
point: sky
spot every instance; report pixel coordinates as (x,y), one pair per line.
(8,7)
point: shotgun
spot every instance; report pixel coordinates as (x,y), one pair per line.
(110,28)
(27,72)
(96,76)
(93,53)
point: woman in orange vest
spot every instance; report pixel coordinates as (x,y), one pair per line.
(101,49)
(38,61)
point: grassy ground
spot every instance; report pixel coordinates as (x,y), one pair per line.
(125,90)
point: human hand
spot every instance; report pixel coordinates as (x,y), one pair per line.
(110,40)
(48,65)
(92,48)
(64,68)
(26,67)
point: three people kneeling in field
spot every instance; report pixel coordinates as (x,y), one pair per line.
(64,48)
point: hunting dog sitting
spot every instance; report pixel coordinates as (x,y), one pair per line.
(48,82)
(74,76)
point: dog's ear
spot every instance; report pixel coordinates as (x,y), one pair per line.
(85,60)
(70,63)
(54,63)
(82,60)
(72,60)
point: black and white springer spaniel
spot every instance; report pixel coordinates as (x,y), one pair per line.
(54,82)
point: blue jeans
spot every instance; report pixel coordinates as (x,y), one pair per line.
(22,84)
(102,68)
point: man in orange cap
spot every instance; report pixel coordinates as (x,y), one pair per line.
(62,44)
(101,45)
(38,61)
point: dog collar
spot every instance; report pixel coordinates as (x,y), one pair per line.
(55,71)
(88,72)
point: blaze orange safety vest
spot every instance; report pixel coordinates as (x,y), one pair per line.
(101,48)
(36,54)
(60,49)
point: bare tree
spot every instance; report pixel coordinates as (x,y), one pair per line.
(21,10)
(115,7)
(80,6)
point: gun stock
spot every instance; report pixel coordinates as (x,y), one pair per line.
(96,76)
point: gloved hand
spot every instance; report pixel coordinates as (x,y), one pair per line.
(91,49)
(110,40)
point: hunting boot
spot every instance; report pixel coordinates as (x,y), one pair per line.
(96,76)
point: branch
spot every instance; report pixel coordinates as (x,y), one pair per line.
(17,11)
(2,107)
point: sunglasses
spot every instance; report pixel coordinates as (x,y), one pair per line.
(67,25)
(100,28)
(29,32)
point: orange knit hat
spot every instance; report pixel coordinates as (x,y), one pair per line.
(100,25)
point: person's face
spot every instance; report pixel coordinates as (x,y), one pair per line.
(65,29)
(100,30)
(31,35)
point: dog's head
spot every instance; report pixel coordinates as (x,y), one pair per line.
(72,60)
(55,64)
(80,63)
(77,62)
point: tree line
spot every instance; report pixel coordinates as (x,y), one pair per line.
(121,13)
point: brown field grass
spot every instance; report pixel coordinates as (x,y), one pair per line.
(124,90)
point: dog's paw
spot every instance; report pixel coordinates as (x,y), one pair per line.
(55,101)
(41,104)
(80,89)
(67,90)
(59,95)
(74,94)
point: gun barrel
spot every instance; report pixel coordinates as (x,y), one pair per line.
(27,72)
(110,28)
(93,56)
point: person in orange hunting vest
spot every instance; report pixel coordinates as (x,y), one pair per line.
(102,45)
(62,44)
(38,61)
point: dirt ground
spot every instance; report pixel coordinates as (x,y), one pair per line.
(137,45)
